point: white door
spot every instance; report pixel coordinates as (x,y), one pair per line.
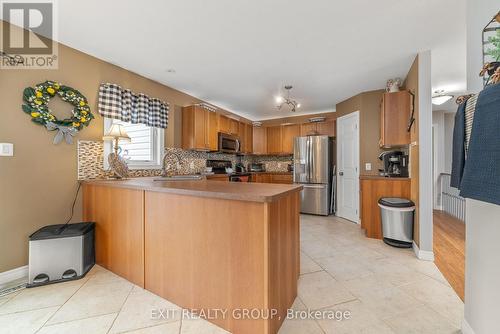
(348,167)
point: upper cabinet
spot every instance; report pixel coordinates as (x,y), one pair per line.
(224,125)
(395,111)
(199,129)
(274,139)
(228,125)
(213,130)
(326,128)
(280,138)
(308,129)
(259,140)
(245,133)
(248,138)
(234,127)
(289,132)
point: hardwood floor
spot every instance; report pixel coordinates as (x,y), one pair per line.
(449,249)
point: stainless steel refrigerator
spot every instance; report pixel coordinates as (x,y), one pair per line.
(314,164)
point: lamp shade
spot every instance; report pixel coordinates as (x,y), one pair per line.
(117,131)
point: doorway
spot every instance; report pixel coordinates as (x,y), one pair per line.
(348,167)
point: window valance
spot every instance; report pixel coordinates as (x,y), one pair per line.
(136,108)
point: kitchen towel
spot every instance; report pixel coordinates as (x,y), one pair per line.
(481,177)
(124,105)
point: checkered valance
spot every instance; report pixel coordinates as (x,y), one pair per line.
(119,103)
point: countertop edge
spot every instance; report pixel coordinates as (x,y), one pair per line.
(196,192)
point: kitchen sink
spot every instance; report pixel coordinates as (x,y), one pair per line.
(180,178)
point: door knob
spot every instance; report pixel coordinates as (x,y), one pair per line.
(341,173)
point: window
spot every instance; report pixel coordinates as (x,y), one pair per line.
(144,151)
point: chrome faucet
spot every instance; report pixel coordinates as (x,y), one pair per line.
(166,171)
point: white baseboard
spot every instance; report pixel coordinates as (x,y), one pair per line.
(466,328)
(423,255)
(11,275)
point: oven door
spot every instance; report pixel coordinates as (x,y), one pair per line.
(228,143)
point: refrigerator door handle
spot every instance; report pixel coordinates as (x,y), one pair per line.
(309,159)
(314,186)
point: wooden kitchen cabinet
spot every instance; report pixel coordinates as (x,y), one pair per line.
(289,132)
(372,188)
(308,129)
(228,125)
(326,128)
(242,135)
(199,129)
(212,129)
(259,140)
(234,127)
(248,138)
(395,111)
(224,124)
(119,232)
(274,134)
(261,178)
(282,178)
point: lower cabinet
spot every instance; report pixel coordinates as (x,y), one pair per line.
(371,190)
(119,234)
(272,178)
(218,177)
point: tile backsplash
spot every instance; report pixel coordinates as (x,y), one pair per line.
(91,161)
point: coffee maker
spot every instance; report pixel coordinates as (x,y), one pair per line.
(395,164)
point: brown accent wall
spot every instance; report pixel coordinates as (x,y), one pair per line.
(411,83)
(368,104)
(37,185)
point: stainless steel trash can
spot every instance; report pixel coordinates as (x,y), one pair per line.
(397,221)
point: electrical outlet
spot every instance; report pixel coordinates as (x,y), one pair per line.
(368,166)
(6,150)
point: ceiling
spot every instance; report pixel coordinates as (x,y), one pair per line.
(238,54)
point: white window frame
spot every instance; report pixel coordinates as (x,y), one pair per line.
(158,147)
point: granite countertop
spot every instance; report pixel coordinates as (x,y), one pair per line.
(240,191)
(380,177)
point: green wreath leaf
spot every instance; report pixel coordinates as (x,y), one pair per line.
(27,109)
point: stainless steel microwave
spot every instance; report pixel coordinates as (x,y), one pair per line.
(228,143)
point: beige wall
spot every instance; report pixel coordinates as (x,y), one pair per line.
(37,185)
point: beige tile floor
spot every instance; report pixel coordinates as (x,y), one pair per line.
(386,290)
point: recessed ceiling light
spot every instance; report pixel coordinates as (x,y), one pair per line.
(440,97)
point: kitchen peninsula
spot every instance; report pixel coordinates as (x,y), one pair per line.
(202,245)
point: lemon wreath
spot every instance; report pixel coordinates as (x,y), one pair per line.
(37,106)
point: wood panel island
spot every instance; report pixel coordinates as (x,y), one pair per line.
(203,245)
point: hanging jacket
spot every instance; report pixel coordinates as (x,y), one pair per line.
(481,175)
(458,151)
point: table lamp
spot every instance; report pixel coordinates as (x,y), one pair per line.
(118,164)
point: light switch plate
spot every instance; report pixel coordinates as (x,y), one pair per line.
(6,150)
(368,166)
